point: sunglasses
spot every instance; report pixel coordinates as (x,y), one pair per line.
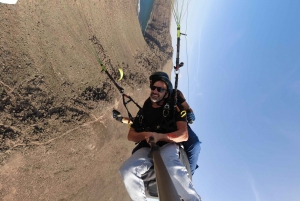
(159,89)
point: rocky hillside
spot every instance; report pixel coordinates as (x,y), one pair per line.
(58,140)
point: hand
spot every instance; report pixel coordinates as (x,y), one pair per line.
(117,115)
(148,135)
(156,136)
(191,117)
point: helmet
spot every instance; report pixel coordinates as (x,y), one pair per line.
(161,76)
(158,74)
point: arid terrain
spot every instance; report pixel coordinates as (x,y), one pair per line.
(58,140)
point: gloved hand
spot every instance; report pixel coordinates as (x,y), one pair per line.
(190,117)
(117,115)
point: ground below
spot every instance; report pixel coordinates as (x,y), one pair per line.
(58,140)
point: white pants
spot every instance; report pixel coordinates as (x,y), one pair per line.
(139,162)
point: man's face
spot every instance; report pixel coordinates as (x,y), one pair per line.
(158,91)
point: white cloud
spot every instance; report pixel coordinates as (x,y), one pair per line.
(253,186)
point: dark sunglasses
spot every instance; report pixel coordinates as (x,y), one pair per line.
(159,89)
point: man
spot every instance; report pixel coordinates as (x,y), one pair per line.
(192,145)
(156,120)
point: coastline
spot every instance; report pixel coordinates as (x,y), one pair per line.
(145,13)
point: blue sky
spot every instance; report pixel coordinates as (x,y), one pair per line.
(242,78)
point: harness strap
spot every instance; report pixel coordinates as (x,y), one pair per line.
(128,101)
(121,90)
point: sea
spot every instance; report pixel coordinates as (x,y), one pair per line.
(144,12)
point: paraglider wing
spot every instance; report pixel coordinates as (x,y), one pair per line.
(9,1)
(121,74)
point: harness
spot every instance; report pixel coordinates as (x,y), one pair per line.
(167,121)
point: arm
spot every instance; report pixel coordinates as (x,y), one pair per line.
(186,106)
(183,102)
(177,136)
(138,136)
(190,114)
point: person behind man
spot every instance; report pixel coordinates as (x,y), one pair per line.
(192,145)
(150,122)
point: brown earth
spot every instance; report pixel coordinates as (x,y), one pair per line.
(58,140)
